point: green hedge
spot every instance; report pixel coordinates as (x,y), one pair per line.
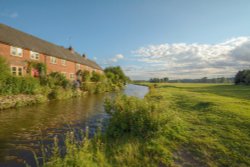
(131,116)
(18,85)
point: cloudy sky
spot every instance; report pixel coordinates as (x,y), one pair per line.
(173,38)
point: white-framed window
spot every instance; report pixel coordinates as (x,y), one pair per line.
(63,62)
(78,66)
(15,51)
(52,60)
(34,55)
(72,76)
(15,70)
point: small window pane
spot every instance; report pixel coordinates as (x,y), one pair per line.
(63,62)
(16,51)
(20,71)
(78,66)
(53,60)
(34,55)
(13,70)
(72,76)
(13,51)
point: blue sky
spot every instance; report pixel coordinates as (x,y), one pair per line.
(147,38)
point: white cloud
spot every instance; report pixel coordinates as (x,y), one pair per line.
(12,15)
(181,60)
(110,61)
(116,58)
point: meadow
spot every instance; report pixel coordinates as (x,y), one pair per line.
(174,125)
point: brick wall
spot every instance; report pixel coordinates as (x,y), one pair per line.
(69,68)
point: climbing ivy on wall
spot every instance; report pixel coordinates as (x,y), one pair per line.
(40,67)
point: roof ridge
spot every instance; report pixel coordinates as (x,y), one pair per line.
(31,42)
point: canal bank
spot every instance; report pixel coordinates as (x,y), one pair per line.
(24,129)
(21,100)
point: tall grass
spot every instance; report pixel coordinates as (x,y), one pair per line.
(130,139)
(174,125)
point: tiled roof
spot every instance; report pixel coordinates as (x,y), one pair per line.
(20,39)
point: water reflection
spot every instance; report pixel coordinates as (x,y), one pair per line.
(21,130)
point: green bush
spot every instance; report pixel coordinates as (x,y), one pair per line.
(242,77)
(96,77)
(116,75)
(131,116)
(10,85)
(44,81)
(40,67)
(86,76)
(29,85)
(17,85)
(4,69)
(55,79)
(53,94)
(102,87)
(88,87)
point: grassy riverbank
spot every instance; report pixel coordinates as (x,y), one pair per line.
(175,125)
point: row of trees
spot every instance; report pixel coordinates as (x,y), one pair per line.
(242,77)
(114,74)
(158,80)
(204,80)
(201,80)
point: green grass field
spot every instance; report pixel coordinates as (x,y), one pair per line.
(214,121)
(201,125)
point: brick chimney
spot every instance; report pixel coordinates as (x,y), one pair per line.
(84,56)
(71,49)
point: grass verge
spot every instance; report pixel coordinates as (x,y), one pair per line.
(174,125)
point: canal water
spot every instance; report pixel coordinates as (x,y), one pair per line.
(23,130)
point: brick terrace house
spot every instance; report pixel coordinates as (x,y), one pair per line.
(19,48)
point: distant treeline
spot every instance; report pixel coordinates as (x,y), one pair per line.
(204,80)
(241,78)
(158,80)
(201,80)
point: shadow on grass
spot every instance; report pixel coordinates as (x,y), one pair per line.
(203,106)
(187,105)
(234,91)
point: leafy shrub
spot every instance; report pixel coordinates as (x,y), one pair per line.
(53,94)
(116,75)
(4,69)
(86,76)
(131,116)
(17,85)
(96,77)
(242,77)
(102,87)
(55,79)
(29,85)
(44,81)
(89,87)
(11,85)
(40,67)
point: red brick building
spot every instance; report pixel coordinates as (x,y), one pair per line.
(19,48)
